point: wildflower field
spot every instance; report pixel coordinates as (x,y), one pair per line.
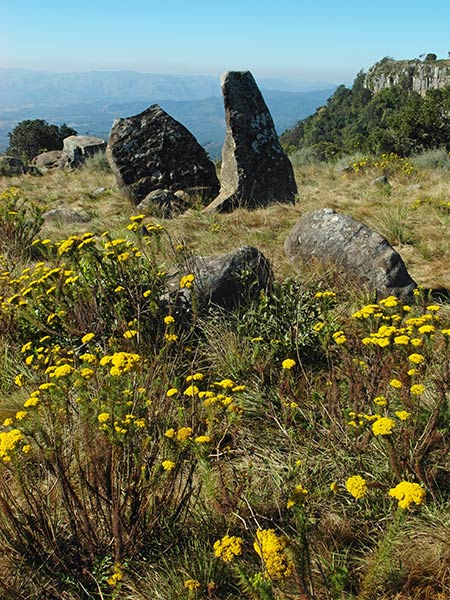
(295,447)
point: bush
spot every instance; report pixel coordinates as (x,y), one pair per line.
(31,137)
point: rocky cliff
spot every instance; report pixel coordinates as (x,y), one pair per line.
(415,75)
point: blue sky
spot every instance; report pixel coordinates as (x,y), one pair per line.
(318,40)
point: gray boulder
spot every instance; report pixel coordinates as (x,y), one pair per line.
(329,236)
(77,148)
(162,203)
(66,215)
(225,280)
(152,151)
(47,160)
(255,170)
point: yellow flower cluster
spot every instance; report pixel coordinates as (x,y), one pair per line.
(383,426)
(272,550)
(187,281)
(356,486)
(408,493)
(228,548)
(122,362)
(297,496)
(8,443)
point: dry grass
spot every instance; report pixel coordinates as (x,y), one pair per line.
(420,234)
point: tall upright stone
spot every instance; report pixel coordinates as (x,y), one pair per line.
(255,170)
(152,151)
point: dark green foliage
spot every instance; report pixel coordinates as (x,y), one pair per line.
(31,137)
(392,120)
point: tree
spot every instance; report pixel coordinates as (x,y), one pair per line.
(31,137)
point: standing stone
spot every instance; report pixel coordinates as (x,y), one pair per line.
(255,170)
(152,151)
(332,237)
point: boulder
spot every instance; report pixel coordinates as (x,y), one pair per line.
(225,280)
(77,148)
(47,160)
(329,236)
(152,151)
(66,215)
(12,166)
(162,203)
(255,170)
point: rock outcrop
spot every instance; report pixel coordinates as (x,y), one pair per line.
(152,151)
(225,280)
(255,170)
(335,238)
(414,75)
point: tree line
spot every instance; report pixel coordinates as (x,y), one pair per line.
(357,120)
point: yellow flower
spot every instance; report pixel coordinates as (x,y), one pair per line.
(288,363)
(184,433)
(417,359)
(103,417)
(171,337)
(297,496)
(402,414)
(408,493)
(318,326)
(380,400)
(192,584)
(171,392)
(87,338)
(356,486)
(170,433)
(395,383)
(168,465)
(426,329)
(195,377)
(21,414)
(191,391)
(62,371)
(271,549)
(417,389)
(401,340)
(131,333)
(334,487)
(186,281)
(18,380)
(383,426)
(228,547)
(202,439)
(169,319)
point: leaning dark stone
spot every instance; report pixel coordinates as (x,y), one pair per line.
(335,238)
(152,151)
(224,281)
(255,170)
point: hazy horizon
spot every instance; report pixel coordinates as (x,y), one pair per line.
(291,40)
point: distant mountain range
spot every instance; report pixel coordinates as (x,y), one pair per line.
(89,102)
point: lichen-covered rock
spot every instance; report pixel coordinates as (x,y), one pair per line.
(332,237)
(255,170)
(152,151)
(224,280)
(11,166)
